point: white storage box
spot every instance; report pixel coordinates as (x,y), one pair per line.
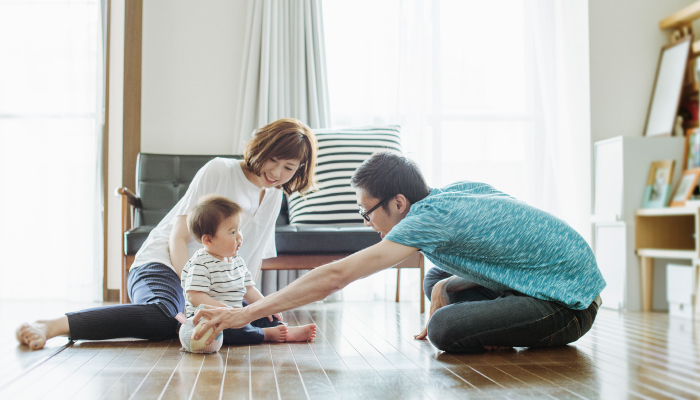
(680,284)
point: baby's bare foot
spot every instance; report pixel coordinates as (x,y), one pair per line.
(305,333)
(33,335)
(276,334)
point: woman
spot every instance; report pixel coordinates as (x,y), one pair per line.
(280,157)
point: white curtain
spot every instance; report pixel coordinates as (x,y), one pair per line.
(283,76)
(51,80)
(284,71)
(505,103)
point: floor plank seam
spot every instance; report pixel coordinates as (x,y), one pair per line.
(388,385)
(223,375)
(315,355)
(37,363)
(443,364)
(171,377)
(420,349)
(322,333)
(380,352)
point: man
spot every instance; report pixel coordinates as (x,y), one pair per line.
(509,274)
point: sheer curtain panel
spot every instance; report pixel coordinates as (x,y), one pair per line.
(493,92)
(51,80)
(283,75)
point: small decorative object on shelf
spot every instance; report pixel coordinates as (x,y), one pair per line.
(667,89)
(678,129)
(658,188)
(692,149)
(689,110)
(685,187)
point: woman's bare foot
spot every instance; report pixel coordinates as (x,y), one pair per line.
(37,333)
(305,333)
(276,334)
(33,335)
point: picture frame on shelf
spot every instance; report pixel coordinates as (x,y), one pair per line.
(685,187)
(658,189)
(667,89)
(691,158)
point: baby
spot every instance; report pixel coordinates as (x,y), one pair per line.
(216,275)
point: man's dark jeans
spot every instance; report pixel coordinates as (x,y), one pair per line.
(479,317)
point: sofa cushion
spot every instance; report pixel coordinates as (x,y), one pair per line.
(323,239)
(292,239)
(134,239)
(340,152)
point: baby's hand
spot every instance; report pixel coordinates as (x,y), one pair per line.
(278,315)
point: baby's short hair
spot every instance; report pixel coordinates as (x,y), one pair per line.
(209,213)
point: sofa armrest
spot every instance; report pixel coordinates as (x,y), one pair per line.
(129,205)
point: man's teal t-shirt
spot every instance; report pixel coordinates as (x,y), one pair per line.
(488,237)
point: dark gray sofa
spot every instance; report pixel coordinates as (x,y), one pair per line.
(162,179)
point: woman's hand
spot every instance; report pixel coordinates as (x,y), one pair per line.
(219,318)
(438,299)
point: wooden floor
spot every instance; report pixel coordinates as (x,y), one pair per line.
(367,350)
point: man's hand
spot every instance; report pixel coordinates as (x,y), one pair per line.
(438,299)
(219,318)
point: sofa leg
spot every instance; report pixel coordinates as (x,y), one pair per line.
(422,275)
(126,265)
(398,282)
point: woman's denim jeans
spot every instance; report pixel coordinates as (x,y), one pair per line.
(479,317)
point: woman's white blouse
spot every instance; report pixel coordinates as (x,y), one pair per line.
(224,177)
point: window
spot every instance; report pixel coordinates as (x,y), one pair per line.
(50,124)
(492,92)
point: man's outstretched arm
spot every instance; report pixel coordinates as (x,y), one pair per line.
(315,285)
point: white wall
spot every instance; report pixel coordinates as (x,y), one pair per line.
(191,64)
(190,75)
(625,44)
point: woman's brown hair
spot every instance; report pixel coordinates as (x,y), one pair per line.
(286,139)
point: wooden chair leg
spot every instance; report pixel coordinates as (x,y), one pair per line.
(422,275)
(127,261)
(398,280)
(647,283)
(697,292)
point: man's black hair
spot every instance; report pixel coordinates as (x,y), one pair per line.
(387,174)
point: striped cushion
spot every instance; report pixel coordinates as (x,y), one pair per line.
(340,152)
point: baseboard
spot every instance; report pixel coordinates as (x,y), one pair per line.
(112,295)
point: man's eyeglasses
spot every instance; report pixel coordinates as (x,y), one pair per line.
(365,214)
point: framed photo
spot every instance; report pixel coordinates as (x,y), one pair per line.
(658,188)
(692,149)
(668,84)
(685,187)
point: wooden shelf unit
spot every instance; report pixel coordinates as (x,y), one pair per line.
(681,25)
(681,18)
(666,233)
(696,48)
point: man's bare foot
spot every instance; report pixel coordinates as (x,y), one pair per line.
(33,335)
(490,348)
(305,333)
(275,334)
